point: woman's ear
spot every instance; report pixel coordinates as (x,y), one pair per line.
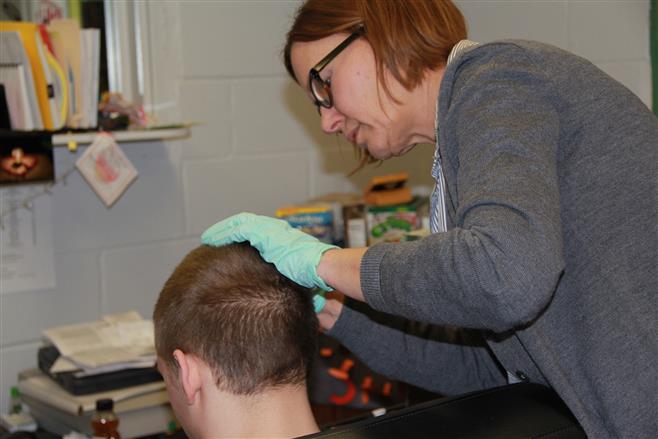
(189,375)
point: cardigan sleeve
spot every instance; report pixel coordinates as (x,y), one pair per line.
(442,360)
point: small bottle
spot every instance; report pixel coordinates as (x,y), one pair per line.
(105,421)
(16,403)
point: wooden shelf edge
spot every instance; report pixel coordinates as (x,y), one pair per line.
(124,136)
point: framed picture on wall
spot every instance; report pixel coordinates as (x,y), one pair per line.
(26,157)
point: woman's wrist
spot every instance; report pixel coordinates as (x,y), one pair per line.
(340,268)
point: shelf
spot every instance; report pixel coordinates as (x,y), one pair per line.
(124,136)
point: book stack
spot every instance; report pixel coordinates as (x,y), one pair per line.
(109,358)
(143,409)
(49,75)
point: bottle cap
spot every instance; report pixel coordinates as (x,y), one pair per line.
(104,404)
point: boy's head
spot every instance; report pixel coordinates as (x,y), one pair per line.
(254,328)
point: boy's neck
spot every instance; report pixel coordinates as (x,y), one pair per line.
(283,412)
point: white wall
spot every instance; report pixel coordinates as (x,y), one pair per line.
(613,34)
(260,148)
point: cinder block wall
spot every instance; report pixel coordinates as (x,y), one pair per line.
(260,148)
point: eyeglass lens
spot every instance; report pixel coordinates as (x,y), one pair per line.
(321,91)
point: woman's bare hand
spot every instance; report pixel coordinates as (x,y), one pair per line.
(331,311)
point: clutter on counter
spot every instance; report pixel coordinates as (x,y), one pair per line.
(385,212)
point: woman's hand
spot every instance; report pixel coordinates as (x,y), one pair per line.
(331,310)
(294,253)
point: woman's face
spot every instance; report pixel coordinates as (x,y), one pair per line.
(361,111)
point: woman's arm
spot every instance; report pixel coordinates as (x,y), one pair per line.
(340,268)
(448,361)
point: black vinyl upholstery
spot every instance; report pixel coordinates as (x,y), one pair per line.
(515,411)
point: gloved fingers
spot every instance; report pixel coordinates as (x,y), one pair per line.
(295,254)
(318,302)
(221,232)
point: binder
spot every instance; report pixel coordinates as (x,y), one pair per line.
(16,70)
(11,104)
(84,385)
(31,39)
(5,116)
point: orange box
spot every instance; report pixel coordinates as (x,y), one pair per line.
(388,189)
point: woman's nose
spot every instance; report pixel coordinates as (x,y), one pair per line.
(330,119)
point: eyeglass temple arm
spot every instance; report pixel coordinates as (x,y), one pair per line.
(331,55)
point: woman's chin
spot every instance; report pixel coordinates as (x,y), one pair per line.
(379,155)
(404,150)
(384,153)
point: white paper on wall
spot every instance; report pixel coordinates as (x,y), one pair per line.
(26,242)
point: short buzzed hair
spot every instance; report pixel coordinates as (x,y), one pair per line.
(255,328)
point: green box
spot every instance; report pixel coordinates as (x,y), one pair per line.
(392,223)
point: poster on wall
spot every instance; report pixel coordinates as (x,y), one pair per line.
(26,242)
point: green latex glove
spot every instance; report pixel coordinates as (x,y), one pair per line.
(294,253)
(318,300)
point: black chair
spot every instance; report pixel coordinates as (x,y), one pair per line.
(515,411)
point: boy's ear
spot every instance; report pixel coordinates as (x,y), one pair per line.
(189,375)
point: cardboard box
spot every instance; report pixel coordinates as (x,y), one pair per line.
(315,219)
(392,223)
(386,190)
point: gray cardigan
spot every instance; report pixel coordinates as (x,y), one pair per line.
(551,255)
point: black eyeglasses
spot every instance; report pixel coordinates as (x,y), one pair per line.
(320,88)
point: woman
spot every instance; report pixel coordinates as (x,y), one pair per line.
(544,211)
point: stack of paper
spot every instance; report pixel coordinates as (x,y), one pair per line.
(35,384)
(16,77)
(143,410)
(116,342)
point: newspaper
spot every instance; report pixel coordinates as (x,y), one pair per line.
(116,342)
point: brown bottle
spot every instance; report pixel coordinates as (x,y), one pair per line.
(105,421)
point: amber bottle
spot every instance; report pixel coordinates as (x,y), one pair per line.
(104,422)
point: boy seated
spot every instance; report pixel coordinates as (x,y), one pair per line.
(235,340)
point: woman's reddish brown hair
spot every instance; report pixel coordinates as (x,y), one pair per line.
(408,37)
